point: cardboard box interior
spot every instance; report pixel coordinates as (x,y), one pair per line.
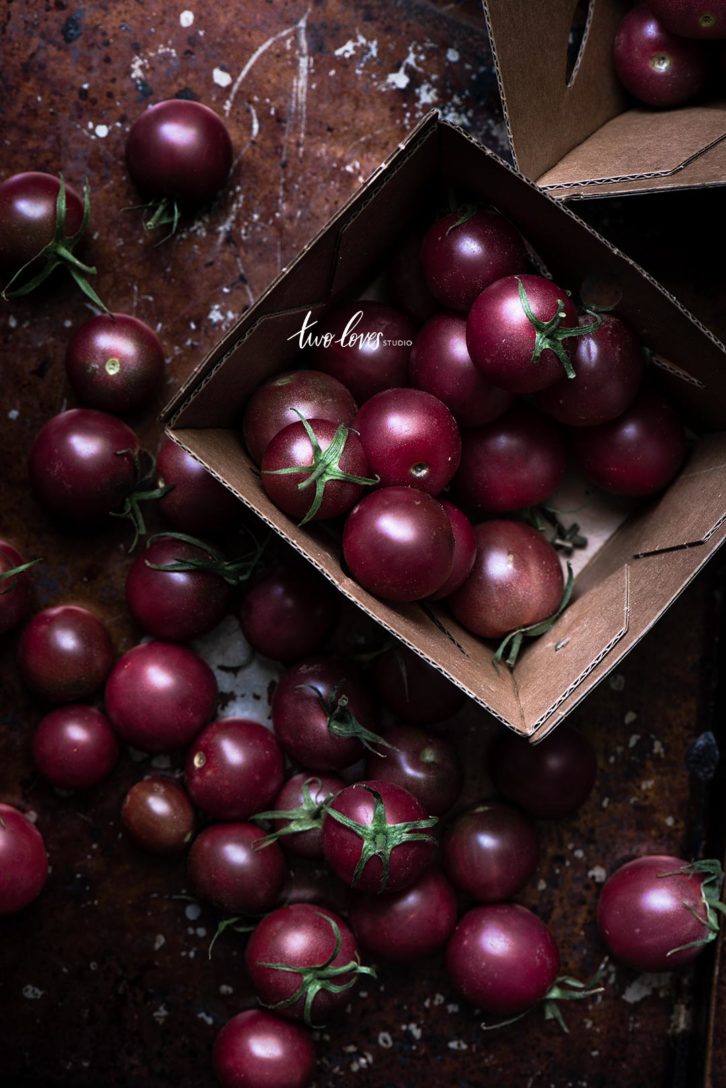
(577,133)
(636,562)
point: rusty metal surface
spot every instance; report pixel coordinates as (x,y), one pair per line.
(105,980)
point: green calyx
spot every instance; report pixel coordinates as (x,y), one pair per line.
(564,538)
(564,988)
(59,252)
(237,925)
(551,335)
(324,469)
(145,489)
(511,644)
(306,817)
(165,212)
(318,978)
(379,838)
(343,723)
(234,571)
(9,576)
(465,212)
(711,891)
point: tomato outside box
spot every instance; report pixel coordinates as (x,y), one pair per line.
(635,565)
(584,137)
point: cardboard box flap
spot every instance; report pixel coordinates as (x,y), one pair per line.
(666,140)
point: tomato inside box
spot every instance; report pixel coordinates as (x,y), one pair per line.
(635,565)
(578,133)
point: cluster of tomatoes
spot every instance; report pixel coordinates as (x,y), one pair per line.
(397,412)
(663,50)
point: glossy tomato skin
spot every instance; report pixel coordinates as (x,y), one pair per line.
(637,454)
(501,338)
(342,846)
(655,66)
(409,925)
(398,544)
(609,368)
(367,354)
(692,18)
(175,605)
(291,447)
(301,706)
(274,405)
(516,581)
(289,611)
(425,765)
(464,550)
(75,748)
(158,815)
(179,149)
(197,502)
(321,787)
(65,654)
(299,936)
(409,438)
(234,768)
(461,258)
(441,364)
(256,1049)
(15,592)
(549,780)
(412,689)
(502,958)
(160,695)
(116,363)
(514,462)
(644,913)
(23,861)
(490,851)
(83,464)
(28,217)
(229,867)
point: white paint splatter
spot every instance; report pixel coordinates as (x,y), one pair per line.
(452,55)
(221,77)
(101,131)
(630,717)
(32,993)
(400,79)
(13,413)
(365,49)
(186,18)
(260,51)
(205,1017)
(644,986)
(597,873)
(160,1014)
(192,911)
(159,941)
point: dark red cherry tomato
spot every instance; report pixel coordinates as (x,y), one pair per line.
(23,861)
(490,851)
(409,437)
(502,958)
(426,766)
(637,454)
(514,462)
(230,867)
(301,802)
(516,581)
(275,404)
(179,149)
(115,362)
(409,925)
(178,605)
(158,815)
(196,503)
(608,367)
(412,689)
(160,695)
(234,768)
(309,882)
(549,780)
(367,353)
(648,911)
(65,654)
(83,464)
(383,841)
(258,1050)
(287,957)
(502,338)
(323,715)
(321,485)
(692,18)
(655,66)
(441,364)
(398,544)
(464,550)
(466,251)
(15,589)
(289,611)
(28,217)
(406,282)
(75,747)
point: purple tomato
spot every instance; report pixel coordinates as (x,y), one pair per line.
(65,654)
(230,866)
(75,747)
(297,815)
(258,1050)
(23,861)
(412,689)
(657,67)
(196,503)
(692,18)
(490,851)
(234,768)
(549,780)
(407,926)
(464,550)
(427,766)
(115,362)
(289,611)
(365,345)
(158,815)
(15,588)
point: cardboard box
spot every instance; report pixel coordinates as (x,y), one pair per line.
(583,137)
(635,565)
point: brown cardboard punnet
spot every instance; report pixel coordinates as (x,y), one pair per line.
(583,137)
(637,561)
